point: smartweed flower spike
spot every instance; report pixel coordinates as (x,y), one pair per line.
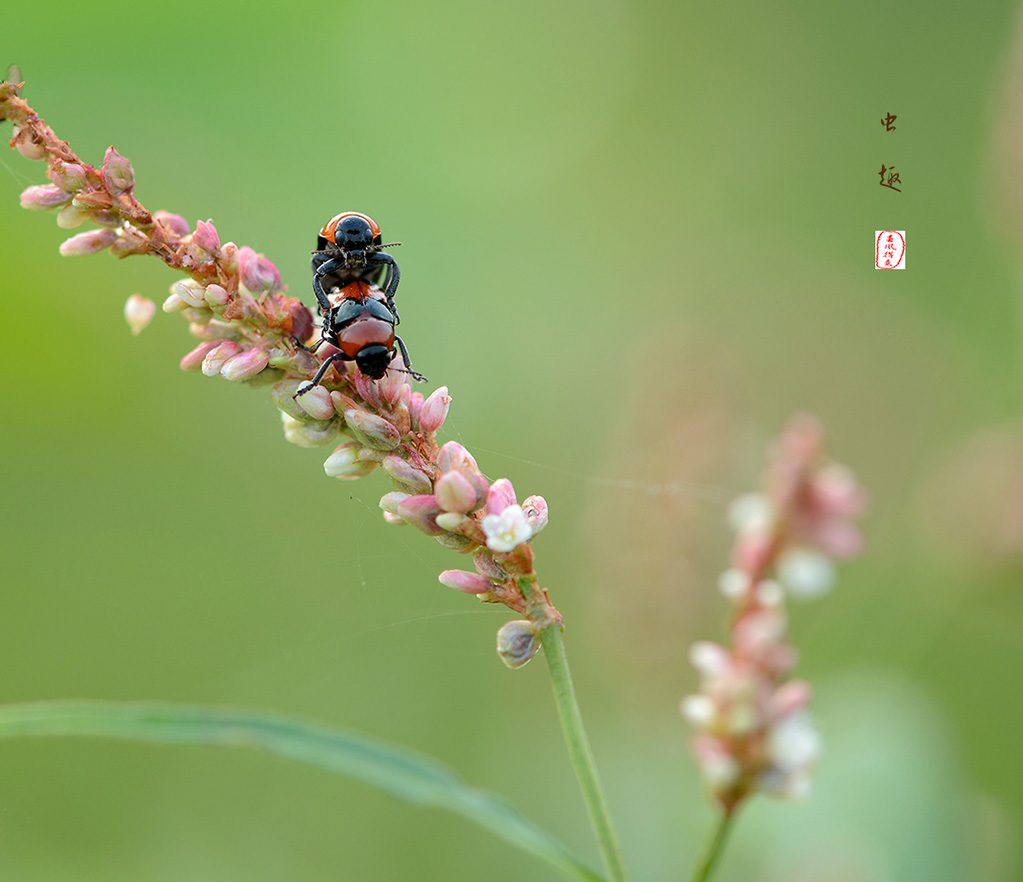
(753,731)
(250,332)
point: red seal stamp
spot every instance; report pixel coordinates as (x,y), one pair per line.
(890,249)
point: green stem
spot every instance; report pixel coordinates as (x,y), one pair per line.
(579,751)
(714,848)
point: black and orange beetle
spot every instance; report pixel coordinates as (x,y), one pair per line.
(358,315)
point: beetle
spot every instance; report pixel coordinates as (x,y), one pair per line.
(349,249)
(360,325)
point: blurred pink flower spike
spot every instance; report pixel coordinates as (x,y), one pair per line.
(138,313)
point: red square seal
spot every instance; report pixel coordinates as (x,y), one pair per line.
(890,249)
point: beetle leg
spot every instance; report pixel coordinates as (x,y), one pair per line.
(327,362)
(328,266)
(391,278)
(418,377)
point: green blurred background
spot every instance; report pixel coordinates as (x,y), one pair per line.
(637,236)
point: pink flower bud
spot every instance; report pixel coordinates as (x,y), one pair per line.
(435,410)
(118,175)
(517,642)
(406,476)
(535,510)
(43,198)
(500,496)
(450,520)
(69,176)
(173,222)
(306,434)
(245,365)
(138,313)
(316,402)
(420,512)
(374,431)
(454,457)
(389,386)
(257,274)
(366,389)
(455,542)
(193,361)
(456,493)
(204,244)
(468,583)
(788,699)
(218,357)
(87,243)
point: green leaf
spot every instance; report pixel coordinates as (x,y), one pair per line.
(396,770)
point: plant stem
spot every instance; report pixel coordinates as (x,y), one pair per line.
(580,752)
(714,848)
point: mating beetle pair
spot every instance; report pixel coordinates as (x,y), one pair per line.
(358,312)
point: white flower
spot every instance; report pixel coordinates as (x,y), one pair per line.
(751,512)
(508,530)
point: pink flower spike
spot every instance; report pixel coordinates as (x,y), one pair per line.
(506,531)
(435,410)
(245,365)
(43,197)
(257,274)
(138,313)
(500,496)
(535,510)
(193,361)
(467,583)
(87,243)
(118,175)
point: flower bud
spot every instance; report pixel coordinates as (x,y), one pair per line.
(535,510)
(455,493)
(306,434)
(43,198)
(372,430)
(203,246)
(420,512)
(257,274)
(500,496)
(70,216)
(23,141)
(245,365)
(455,541)
(517,642)
(485,565)
(454,457)
(467,583)
(87,243)
(406,476)
(450,520)
(173,222)
(806,573)
(316,402)
(69,176)
(138,313)
(218,357)
(190,291)
(118,175)
(389,502)
(415,406)
(435,410)
(193,361)
(389,386)
(216,297)
(344,463)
